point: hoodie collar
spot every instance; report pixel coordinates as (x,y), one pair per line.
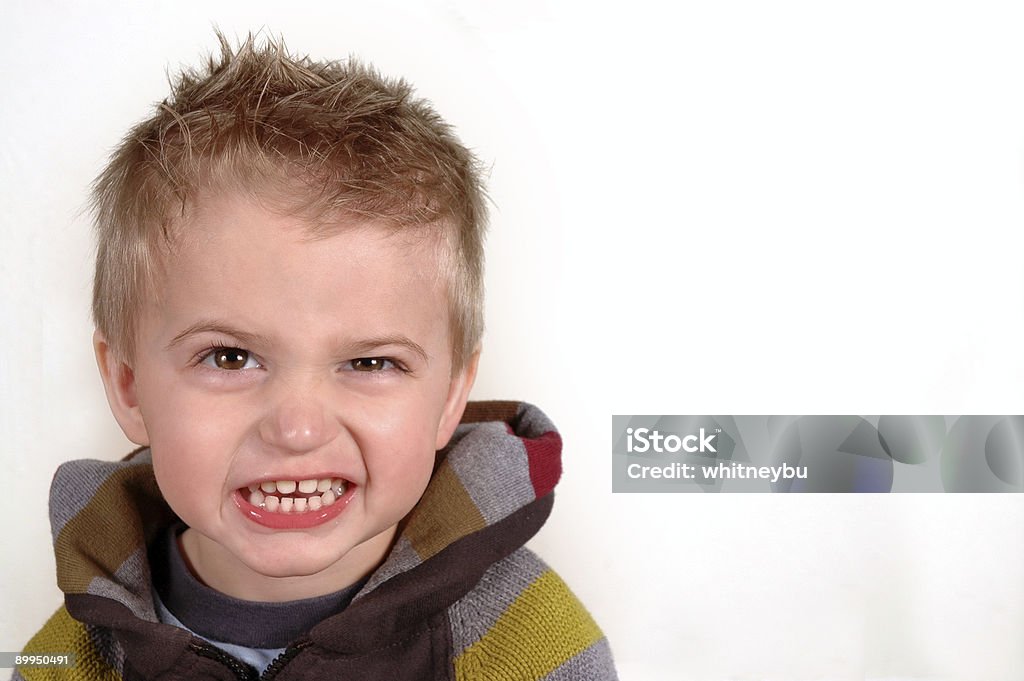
(489,494)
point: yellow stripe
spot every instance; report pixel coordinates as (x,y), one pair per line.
(445,513)
(542,629)
(101,536)
(62,634)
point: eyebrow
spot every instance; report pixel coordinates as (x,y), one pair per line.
(363,345)
(369,344)
(210,326)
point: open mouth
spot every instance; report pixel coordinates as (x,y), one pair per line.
(294,504)
(295,496)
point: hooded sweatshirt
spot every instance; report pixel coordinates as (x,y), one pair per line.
(458,598)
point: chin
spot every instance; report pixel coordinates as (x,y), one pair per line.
(292,565)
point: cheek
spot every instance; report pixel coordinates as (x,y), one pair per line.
(188,421)
(179,483)
(400,466)
(193,441)
(186,490)
(404,463)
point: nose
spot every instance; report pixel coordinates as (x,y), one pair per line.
(298,421)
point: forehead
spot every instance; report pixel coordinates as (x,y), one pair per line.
(232,256)
(234,212)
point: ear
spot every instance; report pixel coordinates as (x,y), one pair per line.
(458,394)
(119,383)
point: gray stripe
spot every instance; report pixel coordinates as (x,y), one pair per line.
(474,614)
(497,489)
(76,482)
(593,664)
(134,573)
(403,557)
(532,422)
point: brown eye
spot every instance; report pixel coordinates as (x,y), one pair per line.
(232,359)
(369,364)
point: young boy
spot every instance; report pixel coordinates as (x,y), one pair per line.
(288,301)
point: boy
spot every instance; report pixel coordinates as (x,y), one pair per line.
(288,301)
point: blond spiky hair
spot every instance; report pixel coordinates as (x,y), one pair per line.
(331,140)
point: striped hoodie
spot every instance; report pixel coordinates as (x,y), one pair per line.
(458,598)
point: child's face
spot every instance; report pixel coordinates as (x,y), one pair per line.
(274,357)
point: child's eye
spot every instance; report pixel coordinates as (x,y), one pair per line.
(371,364)
(231,359)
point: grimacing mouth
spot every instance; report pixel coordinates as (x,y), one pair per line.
(284,495)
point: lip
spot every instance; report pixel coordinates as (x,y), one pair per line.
(292,521)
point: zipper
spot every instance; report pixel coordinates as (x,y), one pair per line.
(284,658)
(241,670)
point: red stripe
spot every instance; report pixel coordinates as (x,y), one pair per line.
(545,456)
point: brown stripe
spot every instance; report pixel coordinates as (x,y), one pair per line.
(399,606)
(152,649)
(98,540)
(445,513)
(490,410)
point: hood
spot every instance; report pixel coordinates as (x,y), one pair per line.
(491,491)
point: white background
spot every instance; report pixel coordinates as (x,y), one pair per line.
(727,207)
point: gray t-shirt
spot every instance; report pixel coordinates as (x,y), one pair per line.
(252,631)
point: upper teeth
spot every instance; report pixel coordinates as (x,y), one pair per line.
(288,486)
